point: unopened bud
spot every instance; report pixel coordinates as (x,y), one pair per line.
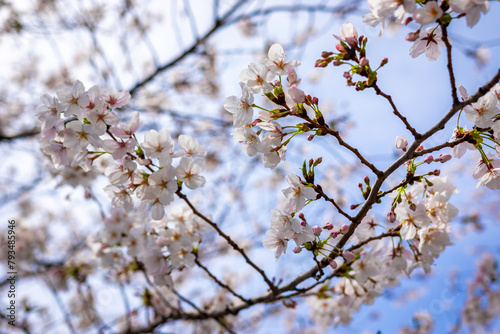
(303,223)
(328,226)
(420,148)
(444,157)
(310,137)
(428,159)
(436,172)
(344,229)
(413,36)
(413,207)
(334,234)
(311,161)
(408,20)
(340,48)
(347,75)
(391,217)
(354,206)
(326,54)
(301,216)
(384,61)
(317,230)
(366,179)
(297,250)
(318,161)
(401,142)
(348,256)
(315,100)
(363,62)
(337,62)
(332,263)
(320,63)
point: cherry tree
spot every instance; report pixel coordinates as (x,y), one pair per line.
(142,199)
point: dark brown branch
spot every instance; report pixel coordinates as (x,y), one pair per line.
(449,65)
(229,241)
(221,284)
(396,111)
(320,191)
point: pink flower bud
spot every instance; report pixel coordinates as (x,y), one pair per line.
(301,216)
(310,137)
(344,229)
(401,142)
(297,250)
(337,63)
(428,159)
(340,48)
(413,36)
(325,54)
(320,63)
(413,207)
(384,61)
(334,234)
(354,206)
(391,217)
(420,148)
(328,226)
(348,256)
(363,62)
(436,172)
(303,223)
(332,263)
(444,157)
(317,230)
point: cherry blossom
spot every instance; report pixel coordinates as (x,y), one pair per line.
(241,108)
(428,42)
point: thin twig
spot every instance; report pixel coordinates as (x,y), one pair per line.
(320,191)
(221,284)
(396,111)
(449,65)
(228,239)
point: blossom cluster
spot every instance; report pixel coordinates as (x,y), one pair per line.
(485,115)
(79,126)
(422,216)
(268,139)
(425,13)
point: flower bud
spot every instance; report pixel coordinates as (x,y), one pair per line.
(328,226)
(436,172)
(384,61)
(420,148)
(391,217)
(326,54)
(340,48)
(363,62)
(428,159)
(413,36)
(320,63)
(317,230)
(344,229)
(310,137)
(334,234)
(332,263)
(401,142)
(348,256)
(337,62)
(303,223)
(444,157)
(297,250)
(413,207)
